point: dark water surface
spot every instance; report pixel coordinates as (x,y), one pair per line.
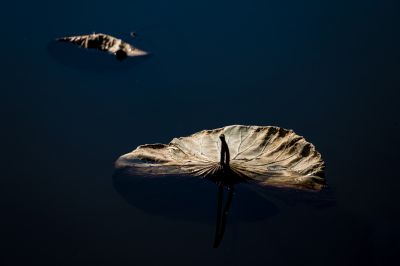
(329,70)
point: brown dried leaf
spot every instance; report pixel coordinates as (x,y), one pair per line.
(270,156)
(104,42)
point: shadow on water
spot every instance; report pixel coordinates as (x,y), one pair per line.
(193,199)
(73,56)
(291,197)
(188,198)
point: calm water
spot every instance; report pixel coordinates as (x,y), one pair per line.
(329,71)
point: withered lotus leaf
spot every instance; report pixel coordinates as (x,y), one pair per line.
(104,42)
(267,155)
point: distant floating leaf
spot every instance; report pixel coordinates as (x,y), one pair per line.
(267,155)
(106,43)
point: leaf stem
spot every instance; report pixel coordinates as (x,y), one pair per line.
(225,156)
(222,215)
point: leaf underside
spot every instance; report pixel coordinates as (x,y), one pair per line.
(267,155)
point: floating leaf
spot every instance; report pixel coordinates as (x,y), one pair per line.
(104,42)
(267,155)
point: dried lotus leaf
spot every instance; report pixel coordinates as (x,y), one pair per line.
(267,155)
(106,43)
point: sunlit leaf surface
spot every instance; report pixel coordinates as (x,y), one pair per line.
(267,155)
(104,42)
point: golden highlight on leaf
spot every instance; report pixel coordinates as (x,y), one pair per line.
(267,155)
(104,42)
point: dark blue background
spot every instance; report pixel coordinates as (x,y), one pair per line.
(327,69)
